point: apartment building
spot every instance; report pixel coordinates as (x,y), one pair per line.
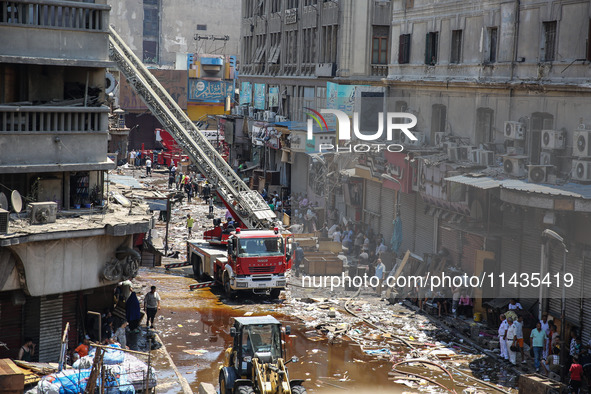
(57,252)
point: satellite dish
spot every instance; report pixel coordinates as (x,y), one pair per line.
(16,201)
(3,201)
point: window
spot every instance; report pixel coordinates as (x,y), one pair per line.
(201,27)
(549,49)
(589,42)
(151,31)
(379,52)
(492,45)
(150,52)
(484,123)
(456,46)
(438,119)
(404,49)
(275,5)
(432,42)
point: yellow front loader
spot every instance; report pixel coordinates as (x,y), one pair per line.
(254,363)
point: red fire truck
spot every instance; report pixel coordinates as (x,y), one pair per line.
(250,260)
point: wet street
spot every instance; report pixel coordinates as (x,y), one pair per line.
(195,325)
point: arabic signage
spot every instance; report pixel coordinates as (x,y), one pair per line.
(273,96)
(341,97)
(259,96)
(209,91)
(246,93)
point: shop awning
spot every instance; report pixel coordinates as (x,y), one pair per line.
(479,182)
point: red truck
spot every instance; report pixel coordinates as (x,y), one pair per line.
(250,260)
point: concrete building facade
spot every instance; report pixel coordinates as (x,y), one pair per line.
(57,255)
(162,32)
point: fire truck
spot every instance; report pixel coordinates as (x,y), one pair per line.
(252,260)
(251,257)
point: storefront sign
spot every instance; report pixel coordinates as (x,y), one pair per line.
(246,93)
(259,95)
(209,91)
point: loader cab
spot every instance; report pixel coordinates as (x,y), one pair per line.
(255,337)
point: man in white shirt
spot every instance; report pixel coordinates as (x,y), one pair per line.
(514,305)
(336,236)
(502,329)
(519,334)
(148,167)
(511,340)
(546,327)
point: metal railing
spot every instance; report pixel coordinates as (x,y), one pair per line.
(52,119)
(48,13)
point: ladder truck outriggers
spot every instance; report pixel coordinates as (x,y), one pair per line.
(254,257)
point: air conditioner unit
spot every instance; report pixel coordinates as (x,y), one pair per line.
(260,115)
(405,140)
(514,165)
(448,144)
(538,174)
(326,69)
(250,112)
(581,170)
(553,139)
(4,216)
(475,156)
(280,118)
(464,152)
(439,138)
(514,130)
(42,212)
(582,143)
(486,157)
(547,159)
(453,153)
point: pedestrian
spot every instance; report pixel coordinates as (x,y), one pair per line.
(576,375)
(465,305)
(546,328)
(82,349)
(27,351)
(189,189)
(151,306)
(148,167)
(455,300)
(503,344)
(519,333)
(511,341)
(299,258)
(133,314)
(138,159)
(537,341)
(121,334)
(190,222)
(380,273)
(514,305)
(132,157)
(336,236)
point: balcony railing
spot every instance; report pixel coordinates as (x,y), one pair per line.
(379,70)
(58,14)
(37,119)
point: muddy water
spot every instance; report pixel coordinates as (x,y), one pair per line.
(195,326)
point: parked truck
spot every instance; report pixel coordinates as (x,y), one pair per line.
(249,261)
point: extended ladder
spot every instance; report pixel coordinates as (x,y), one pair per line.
(247,204)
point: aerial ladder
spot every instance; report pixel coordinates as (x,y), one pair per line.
(247,206)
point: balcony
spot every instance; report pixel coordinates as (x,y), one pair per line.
(379,70)
(40,138)
(37,30)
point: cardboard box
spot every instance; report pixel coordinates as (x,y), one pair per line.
(12,379)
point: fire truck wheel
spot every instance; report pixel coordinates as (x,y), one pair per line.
(227,289)
(275,293)
(298,390)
